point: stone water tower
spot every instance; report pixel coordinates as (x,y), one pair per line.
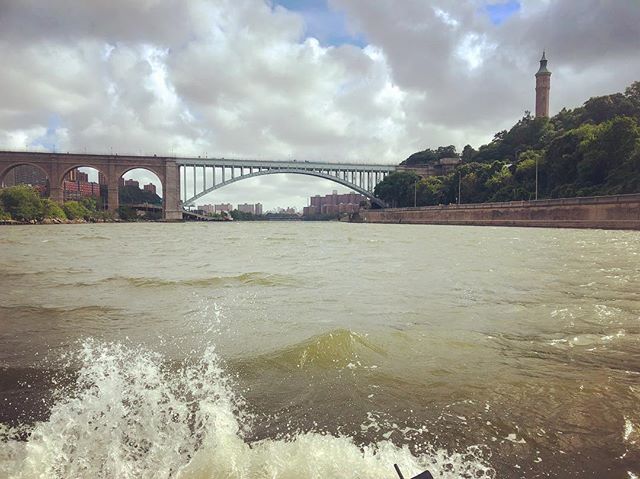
(543,86)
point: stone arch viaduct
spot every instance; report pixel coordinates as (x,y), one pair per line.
(184,180)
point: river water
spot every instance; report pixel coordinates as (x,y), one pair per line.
(318,350)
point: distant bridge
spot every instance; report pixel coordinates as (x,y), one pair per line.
(208,175)
(185,180)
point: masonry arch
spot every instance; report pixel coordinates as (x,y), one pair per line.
(26,173)
(82,181)
(142,189)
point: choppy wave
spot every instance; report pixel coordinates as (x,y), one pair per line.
(129,415)
(251,279)
(336,349)
(93,237)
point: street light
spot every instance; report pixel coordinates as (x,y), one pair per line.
(459,185)
(536,177)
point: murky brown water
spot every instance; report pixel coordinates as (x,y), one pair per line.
(294,350)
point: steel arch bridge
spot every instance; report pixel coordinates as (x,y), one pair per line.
(207,175)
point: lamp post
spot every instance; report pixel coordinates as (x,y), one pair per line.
(415,194)
(536,177)
(459,185)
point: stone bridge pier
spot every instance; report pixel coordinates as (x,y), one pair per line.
(56,166)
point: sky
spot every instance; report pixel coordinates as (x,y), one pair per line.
(332,80)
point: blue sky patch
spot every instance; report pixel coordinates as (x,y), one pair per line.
(502,11)
(50,139)
(322,22)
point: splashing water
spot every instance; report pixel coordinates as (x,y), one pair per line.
(129,414)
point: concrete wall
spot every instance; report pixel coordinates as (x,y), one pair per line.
(606,212)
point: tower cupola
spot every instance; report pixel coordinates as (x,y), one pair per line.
(543,65)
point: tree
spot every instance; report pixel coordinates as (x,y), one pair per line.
(243,216)
(432,191)
(590,150)
(468,153)
(132,195)
(428,156)
(603,108)
(632,93)
(611,145)
(22,202)
(397,189)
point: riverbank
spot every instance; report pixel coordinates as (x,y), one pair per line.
(599,212)
(60,221)
(23,205)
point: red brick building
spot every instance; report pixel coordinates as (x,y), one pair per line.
(150,188)
(333,204)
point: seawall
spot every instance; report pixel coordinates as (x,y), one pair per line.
(604,212)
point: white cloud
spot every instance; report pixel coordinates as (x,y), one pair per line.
(239,78)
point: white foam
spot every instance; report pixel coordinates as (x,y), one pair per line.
(131,416)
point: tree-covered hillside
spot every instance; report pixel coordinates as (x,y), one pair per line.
(590,150)
(132,195)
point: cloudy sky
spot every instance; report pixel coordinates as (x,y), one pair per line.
(337,80)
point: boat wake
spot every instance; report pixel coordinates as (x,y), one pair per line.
(130,414)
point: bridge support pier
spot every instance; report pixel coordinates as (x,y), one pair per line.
(113,198)
(171,192)
(56,193)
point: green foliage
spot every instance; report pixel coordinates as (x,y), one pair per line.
(75,210)
(468,153)
(397,189)
(611,145)
(4,216)
(52,210)
(22,202)
(590,150)
(430,156)
(132,195)
(127,213)
(243,216)
(432,190)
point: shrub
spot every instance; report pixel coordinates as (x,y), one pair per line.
(3,214)
(127,213)
(75,210)
(22,202)
(51,209)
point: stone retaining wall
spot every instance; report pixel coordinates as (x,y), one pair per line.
(605,212)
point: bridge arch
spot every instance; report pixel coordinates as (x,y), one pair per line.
(47,176)
(76,189)
(158,180)
(275,171)
(158,172)
(5,171)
